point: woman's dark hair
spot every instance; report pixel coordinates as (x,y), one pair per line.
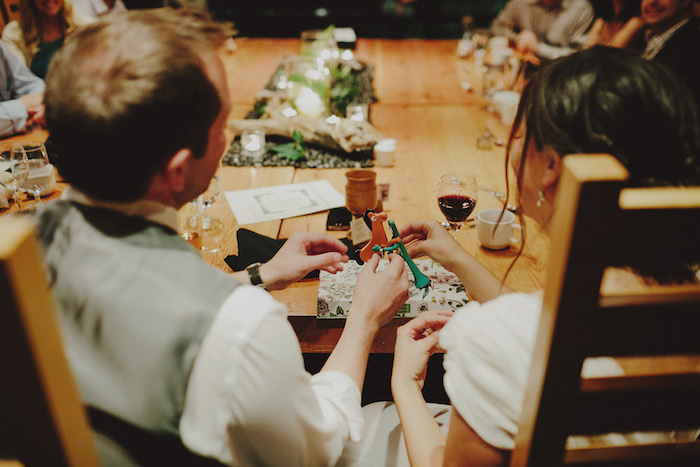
(609,100)
(604,9)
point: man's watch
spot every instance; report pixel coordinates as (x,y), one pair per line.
(254,274)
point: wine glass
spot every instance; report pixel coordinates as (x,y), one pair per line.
(189,218)
(457,195)
(15,170)
(212,227)
(40,175)
(210,195)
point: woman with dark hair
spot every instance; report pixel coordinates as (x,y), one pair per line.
(40,31)
(599,100)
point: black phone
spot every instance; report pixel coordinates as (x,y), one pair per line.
(339,219)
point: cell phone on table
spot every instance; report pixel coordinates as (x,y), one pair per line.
(339,219)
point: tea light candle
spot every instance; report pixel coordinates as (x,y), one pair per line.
(384,152)
(253,143)
(357,112)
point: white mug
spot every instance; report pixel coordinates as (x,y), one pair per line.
(495,235)
(507,105)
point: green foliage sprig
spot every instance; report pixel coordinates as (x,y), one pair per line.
(294,150)
(345,86)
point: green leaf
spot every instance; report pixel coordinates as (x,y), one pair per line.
(298,137)
(284,149)
(294,150)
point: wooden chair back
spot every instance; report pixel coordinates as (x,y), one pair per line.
(42,421)
(651,330)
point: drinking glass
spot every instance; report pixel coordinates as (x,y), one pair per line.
(457,195)
(40,175)
(14,170)
(189,219)
(210,195)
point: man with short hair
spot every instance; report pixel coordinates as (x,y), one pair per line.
(673,38)
(21,95)
(180,363)
(548,28)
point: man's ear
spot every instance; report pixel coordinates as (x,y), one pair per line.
(177,170)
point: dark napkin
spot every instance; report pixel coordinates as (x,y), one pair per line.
(253,247)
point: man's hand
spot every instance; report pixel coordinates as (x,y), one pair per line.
(378,295)
(301,254)
(35,107)
(526,41)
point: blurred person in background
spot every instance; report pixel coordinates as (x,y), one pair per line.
(21,93)
(97,8)
(40,31)
(673,38)
(547,28)
(618,23)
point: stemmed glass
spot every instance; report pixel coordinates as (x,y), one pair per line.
(210,195)
(211,226)
(14,171)
(457,195)
(40,173)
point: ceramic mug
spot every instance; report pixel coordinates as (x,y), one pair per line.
(506,103)
(494,234)
(360,190)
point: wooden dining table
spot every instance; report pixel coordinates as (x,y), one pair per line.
(423,105)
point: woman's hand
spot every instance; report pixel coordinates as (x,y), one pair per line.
(430,238)
(416,341)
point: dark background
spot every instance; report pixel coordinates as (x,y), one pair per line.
(431,19)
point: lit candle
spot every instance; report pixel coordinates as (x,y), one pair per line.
(358,112)
(308,103)
(253,143)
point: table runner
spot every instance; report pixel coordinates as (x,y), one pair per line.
(316,156)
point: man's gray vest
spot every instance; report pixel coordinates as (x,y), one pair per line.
(135,302)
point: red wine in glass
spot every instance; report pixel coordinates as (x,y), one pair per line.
(456,208)
(457,195)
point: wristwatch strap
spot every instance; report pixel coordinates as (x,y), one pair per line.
(254,273)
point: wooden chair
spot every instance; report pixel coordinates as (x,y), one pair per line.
(42,419)
(653,332)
